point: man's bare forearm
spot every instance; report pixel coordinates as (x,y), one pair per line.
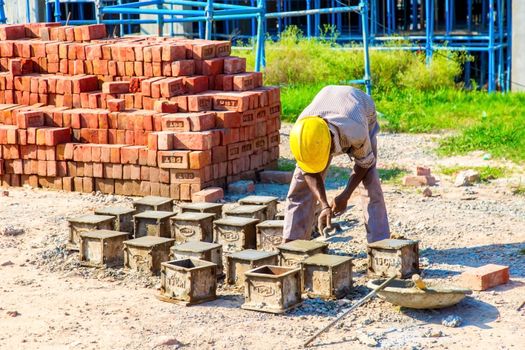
(355,179)
(316,185)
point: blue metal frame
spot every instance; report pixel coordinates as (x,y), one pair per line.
(489,34)
(2,12)
(210,11)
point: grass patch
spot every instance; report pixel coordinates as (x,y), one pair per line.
(486,173)
(393,175)
(284,164)
(518,190)
(411,96)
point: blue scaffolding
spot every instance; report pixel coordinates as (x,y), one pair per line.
(482,28)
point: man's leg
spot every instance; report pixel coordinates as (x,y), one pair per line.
(374,208)
(299,209)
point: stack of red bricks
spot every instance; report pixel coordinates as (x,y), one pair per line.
(131,116)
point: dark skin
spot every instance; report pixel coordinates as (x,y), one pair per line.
(316,184)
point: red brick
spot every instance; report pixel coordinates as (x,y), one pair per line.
(485,277)
(415,180)
(180,176)
(224,82)
(422,171)
(183,68)
(200,159)
(222,48)
(165,107)
(173,52)
(196,84)
(234,65)
(115,104)
(203,51)
(213,66)
(12,31)
(115,87)
(164,140)
(219,154)
(200,102)
(228,119)
(15,67)
(199,141)
(231,102)
(129,154)
(171,87)
(210,195)
(173,159)
(93,32)
(84,84)
(244,82)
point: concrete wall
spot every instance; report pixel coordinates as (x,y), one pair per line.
(518,45)
(15,10)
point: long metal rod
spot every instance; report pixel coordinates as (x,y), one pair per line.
(364,22)
(57,11)
(203,4)
(491,77)
(313,12)
(352,308)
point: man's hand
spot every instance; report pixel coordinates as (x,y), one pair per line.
(325,219)
(340,203)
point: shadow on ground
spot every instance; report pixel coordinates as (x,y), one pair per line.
(473,312)
(500,254)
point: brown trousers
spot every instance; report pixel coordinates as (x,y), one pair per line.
(300,206)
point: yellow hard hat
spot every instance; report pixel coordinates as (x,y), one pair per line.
(310,142)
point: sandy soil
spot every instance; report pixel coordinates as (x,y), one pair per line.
(61,305)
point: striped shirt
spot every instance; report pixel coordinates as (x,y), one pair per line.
(352,119)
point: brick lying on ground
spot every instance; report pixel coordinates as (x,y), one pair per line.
(485,277)
(133,116)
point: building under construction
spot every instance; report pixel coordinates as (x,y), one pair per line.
(482,28)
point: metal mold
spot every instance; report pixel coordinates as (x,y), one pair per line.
(248,211)
(190,281)
(213,208)
(269,201)
(327,276)
(86,223)
(274,289)
(123,217)
(199,250)
(153,203)
(235,233)
(240,262)
(390,257)
(102,248)
(147,253)
(294,252)
(270,235)
(153,223)
(190,226)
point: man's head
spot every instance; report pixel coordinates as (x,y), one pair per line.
(310,142)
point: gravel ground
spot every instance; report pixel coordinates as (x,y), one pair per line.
(61,305)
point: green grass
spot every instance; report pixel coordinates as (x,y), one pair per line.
(284,164)
(518,190)
(392,175)
(486,173)
(410,96)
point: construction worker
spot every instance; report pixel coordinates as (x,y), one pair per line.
(340,119)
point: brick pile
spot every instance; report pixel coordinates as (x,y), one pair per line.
(132,116)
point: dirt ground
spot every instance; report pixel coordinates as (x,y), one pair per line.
(60,305)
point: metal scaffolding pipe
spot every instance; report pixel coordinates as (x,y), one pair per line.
(2,12)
